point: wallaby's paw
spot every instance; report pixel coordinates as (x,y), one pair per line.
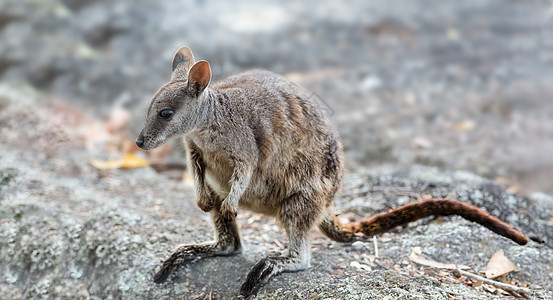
(205,205)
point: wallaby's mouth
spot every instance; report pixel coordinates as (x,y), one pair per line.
(145,146)
(146,142)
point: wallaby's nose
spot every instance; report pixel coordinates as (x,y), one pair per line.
(140,142)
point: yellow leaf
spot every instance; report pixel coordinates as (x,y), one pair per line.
(128,161)
(467,125)
(499,265)
(417,257)
(421,143)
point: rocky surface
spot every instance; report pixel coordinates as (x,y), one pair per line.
(68,230)
(460,94)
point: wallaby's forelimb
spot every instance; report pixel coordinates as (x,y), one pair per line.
(196,164)
(240,180)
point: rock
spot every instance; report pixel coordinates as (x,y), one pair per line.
(358,245)
(69,230)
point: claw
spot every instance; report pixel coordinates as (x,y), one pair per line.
(261,272)
(207,207)
(166,270)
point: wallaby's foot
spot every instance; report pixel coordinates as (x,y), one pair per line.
(167,268)
(267,268)
(186,253)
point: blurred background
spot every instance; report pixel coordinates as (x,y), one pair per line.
(463,85)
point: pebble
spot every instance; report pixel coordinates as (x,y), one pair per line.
(358,245)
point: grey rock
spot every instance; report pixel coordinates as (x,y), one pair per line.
(425,74)
(78,232)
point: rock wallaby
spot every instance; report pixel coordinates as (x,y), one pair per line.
(256,141)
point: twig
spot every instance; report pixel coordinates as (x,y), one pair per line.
(508,287)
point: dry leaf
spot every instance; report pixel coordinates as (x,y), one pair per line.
(421,143)
(514,189)
(503,181)
(467,125)
(416,256)
(477,283)
(499,265)
(489,288)
(128,161)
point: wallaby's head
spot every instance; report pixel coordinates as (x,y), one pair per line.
(176,107)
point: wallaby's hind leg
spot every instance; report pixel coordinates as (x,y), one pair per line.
(298,222)
(227,242)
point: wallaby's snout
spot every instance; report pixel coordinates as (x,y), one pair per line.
(140,141)
(144,141)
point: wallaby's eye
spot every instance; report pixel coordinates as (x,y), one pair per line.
(166,113)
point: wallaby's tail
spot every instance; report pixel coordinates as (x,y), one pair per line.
(384,222)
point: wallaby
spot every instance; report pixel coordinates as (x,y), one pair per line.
(257,141)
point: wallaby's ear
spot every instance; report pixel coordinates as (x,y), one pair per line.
(199,77)
(182,61)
